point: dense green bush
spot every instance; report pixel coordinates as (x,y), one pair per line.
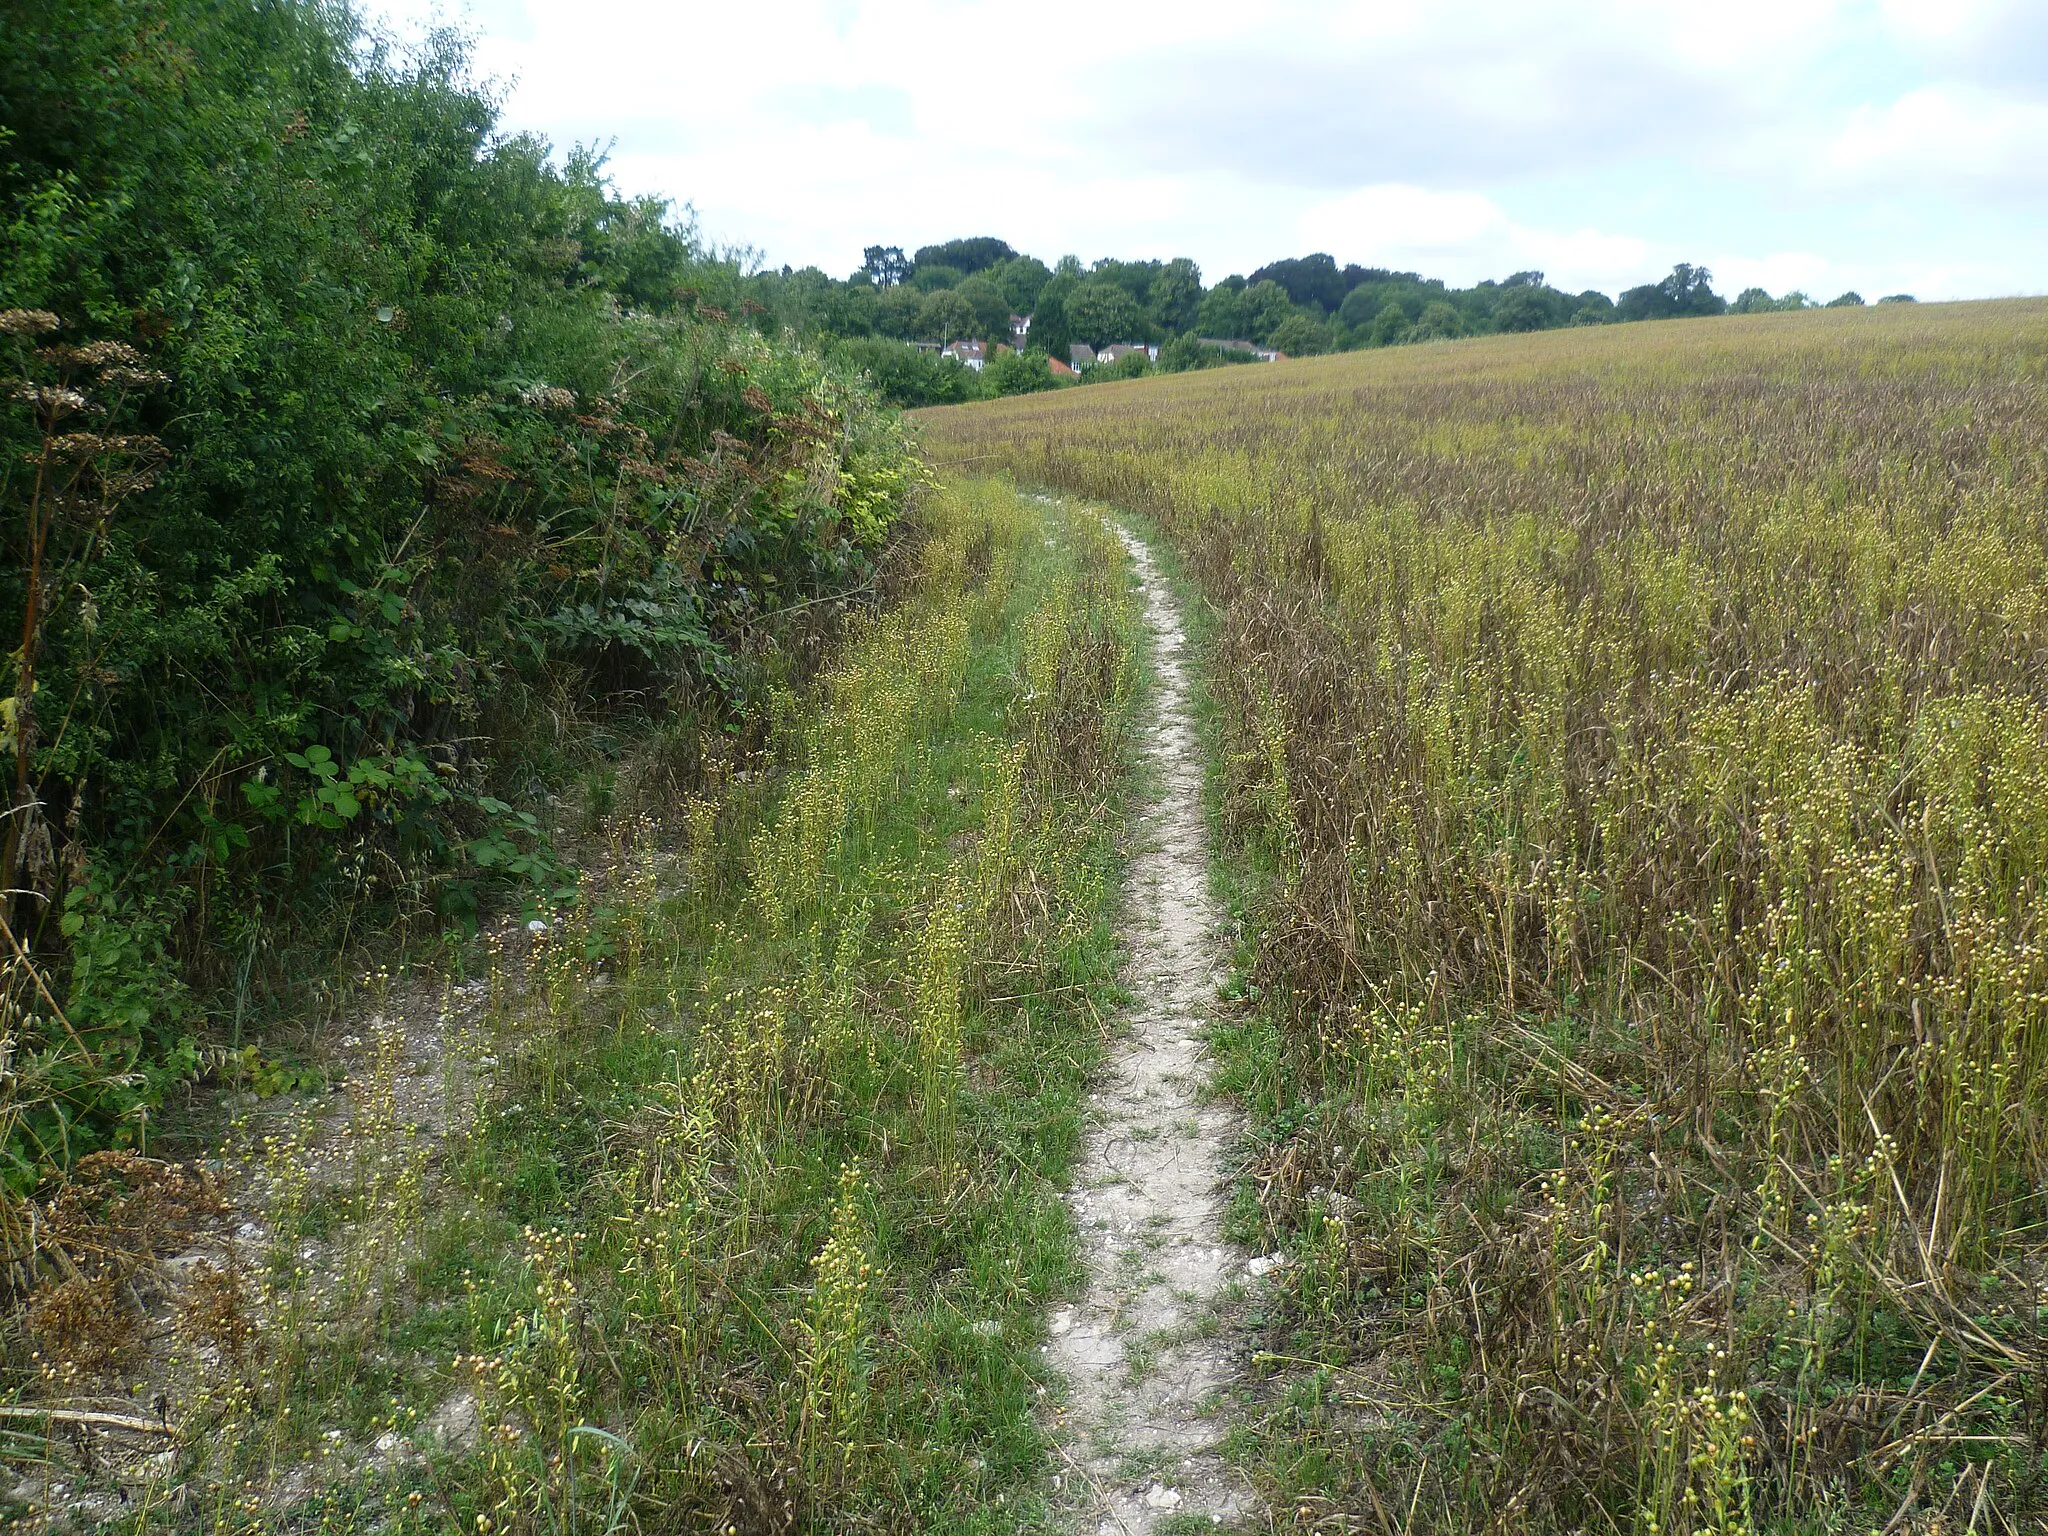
(353,448)
(909,376)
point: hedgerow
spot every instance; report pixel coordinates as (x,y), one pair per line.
(353,450)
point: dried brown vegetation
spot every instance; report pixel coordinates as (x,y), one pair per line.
(1642,738)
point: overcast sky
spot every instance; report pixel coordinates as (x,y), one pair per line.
(1885,145)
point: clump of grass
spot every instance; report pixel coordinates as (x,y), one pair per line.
(1637,751)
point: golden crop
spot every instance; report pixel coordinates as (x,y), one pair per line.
(1648,726)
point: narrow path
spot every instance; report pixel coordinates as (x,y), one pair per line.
(1145,1352)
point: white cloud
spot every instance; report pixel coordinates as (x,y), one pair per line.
(1944,134)
(1819,141)
(1464,236)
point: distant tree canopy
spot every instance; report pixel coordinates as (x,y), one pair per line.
(1300,305)
(1687,291)
(1316,281)
(884,265)
(977,254)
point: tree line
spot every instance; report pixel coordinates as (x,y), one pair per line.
(970,288)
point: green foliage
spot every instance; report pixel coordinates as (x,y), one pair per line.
(1756,301)
(1132,365)
(909,376)
(1021,281)
(977,254)
(1100,312)
(1262,307)
(1300,336)
(1686,292)
(1175,295)
(944,315)
(773,1191)
(1186,352)
(446,442)
(1439,321)
(1019,373)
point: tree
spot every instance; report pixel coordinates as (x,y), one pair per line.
(1263,306)
(1389,325)
(1301,335)
(931,277)
(1438,322)
(1755,301)
(1101,312)
(988,310)
(1220,315)
(884,265)
(1176,295)
(896,310)
(1049,325)
(1134,277)
(1522,309)
(944,316)
(1687,291)
(908,376)
(1850,300)
(1186,352)
(969,256)
(1898,298)
(1132,365)
(1021,282)
(1019,373)
(1307,280)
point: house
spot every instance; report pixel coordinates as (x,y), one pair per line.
(1081,355)
(1020,331)
(1117,351)
(1060,370)
(973,353)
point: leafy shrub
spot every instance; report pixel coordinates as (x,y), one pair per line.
(909,376)
(354,449)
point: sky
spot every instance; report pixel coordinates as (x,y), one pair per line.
(1882,145)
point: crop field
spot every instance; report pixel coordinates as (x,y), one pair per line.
(1632,750)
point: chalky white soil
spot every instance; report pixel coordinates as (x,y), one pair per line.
(1146,1352)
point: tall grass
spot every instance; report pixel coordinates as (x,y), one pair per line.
(748,1210)
(1639,742)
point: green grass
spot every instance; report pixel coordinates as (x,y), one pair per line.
(752,1206)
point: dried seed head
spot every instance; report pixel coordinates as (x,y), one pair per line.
(27,322)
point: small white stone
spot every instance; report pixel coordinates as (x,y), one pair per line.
(536,926)
(1159,1496)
